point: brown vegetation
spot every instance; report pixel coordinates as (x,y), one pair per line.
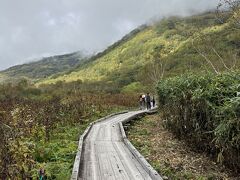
(173,159)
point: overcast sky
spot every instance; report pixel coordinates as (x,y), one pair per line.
(31,29)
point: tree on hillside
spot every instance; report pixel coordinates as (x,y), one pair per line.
(156,69)
(233,7)
(208,46)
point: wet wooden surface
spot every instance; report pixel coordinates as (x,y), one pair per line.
(105,156)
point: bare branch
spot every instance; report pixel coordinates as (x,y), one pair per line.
(205,57)
(214,50)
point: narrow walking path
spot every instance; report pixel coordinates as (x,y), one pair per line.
(105,155)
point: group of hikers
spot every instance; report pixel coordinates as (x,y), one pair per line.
(145,101)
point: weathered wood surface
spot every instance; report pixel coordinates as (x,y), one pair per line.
(107,154)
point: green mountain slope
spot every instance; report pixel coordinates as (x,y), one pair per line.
(44,68)
(180,44)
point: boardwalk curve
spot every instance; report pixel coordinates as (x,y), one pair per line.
(105,152)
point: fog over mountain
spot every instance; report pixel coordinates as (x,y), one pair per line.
(31,29)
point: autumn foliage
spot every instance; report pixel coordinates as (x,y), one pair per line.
(29,116)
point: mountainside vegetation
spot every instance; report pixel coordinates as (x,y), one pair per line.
(166,48)
(204,110)
(40,128)
(43,68)
(194,61)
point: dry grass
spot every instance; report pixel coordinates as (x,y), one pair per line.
(171,157)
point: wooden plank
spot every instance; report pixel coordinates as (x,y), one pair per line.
(105,156)
(118,168)
(129,162)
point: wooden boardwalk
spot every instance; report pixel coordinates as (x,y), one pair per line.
(105,155)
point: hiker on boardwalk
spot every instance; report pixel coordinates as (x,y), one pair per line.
(143,101)
(140,102)
(153,102)
(148,101)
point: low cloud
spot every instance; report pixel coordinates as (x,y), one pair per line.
(33,29)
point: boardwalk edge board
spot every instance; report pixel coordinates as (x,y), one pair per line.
(148,168)
(76,166)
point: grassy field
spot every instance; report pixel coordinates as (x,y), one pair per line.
(41,127)
(57,156)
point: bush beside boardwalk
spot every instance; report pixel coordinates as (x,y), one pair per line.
(205,111)
(40,127)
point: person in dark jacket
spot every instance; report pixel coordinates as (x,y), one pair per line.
(153,102)
(140,102)
(148,101)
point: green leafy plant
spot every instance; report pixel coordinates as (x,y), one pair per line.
(204,110)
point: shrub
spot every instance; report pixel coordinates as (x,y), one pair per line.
(133,88)
(205,110)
